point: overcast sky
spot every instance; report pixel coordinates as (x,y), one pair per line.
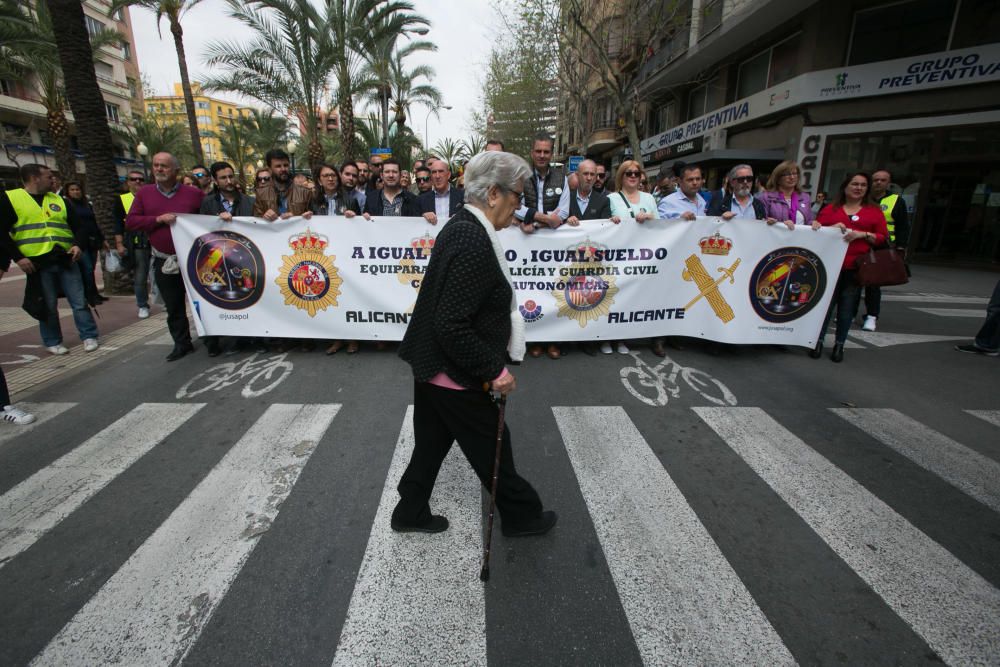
(461,29)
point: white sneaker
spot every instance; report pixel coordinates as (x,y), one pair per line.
(622,348)
(16,416)
(90,345)
(143,313)
(58,349)
(606,348)
(869,324)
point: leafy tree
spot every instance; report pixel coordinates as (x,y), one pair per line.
(30,47)
(267,130)
(159,135)
(448,150)
(473,145)
(235,139)
(402,141)
(173,10)
(285,60)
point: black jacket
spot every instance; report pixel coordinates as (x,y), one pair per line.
(720,205)
(373,203)
(461,321)
(346,201)
(598,208)
(456,197)
(212,205)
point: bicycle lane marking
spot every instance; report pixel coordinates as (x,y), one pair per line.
(227,374)
(654,379)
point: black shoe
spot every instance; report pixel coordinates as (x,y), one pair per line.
(179,351)
(589,349)
(539,526)
(817,351)
(838,353)
(214,349)
(975,349)
(436,524)
(657,348)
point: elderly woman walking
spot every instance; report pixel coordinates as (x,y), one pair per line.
(465,324)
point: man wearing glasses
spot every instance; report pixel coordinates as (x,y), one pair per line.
(601,180)
(738,202)
(133,247)
(422,175)
(203,178)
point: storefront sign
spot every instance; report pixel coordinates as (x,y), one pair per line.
(949,68)
(334,278)
(677,150)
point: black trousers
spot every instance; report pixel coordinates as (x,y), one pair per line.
(442,416)
(4,394)
(171,287)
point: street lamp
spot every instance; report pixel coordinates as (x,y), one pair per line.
(427,143)
(292,145)
(143,151)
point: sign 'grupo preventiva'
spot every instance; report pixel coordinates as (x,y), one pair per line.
(332,278)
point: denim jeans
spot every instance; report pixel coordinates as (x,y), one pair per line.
(846,298)
(88,261)
(988,337)
(69,278)
(140,279)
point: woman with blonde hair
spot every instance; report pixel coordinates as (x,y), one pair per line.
(784,201)
(628,200)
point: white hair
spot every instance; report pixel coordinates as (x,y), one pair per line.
(732,172)
(493,169)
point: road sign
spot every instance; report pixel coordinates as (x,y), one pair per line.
(574,162)
(384,153)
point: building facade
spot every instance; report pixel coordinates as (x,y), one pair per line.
(912,86)
(23,124)
(210,112)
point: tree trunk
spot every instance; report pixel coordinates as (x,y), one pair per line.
(347,125)
(87,104)
(385,117)
(59,136)
(178,33)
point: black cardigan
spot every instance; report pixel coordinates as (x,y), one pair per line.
(461,321)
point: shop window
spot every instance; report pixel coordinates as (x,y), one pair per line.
(978,23)
(900,30)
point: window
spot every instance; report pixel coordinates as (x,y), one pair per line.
(152,108)
(112,112)
(775,65)
(133,89)
(104,71)
(126,51)
(978,23)
(603,115)
(218,108)
(901,30)
(752,76)
(202,105)
(711,16)
(706,97)
(93,25)
(204,120)
(6,87)
(118,15)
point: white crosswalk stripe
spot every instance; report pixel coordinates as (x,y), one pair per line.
(43,412)
(155,607)
(954,609)
(684,602)
(966,469)
(36,505)
(417,599)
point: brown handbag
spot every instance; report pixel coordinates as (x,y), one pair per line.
(881,268)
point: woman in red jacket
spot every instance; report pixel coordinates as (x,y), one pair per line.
(862,223)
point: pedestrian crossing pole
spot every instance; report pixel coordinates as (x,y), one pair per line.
(484,573)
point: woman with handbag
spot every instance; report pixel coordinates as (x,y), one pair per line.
(862,223)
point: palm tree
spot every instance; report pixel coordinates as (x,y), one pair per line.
(235,139)
(474,145)
(448,150)
(35,52)
(355,26)
(402,141)
(85,99)
(158,135)
(267,130)
(384,73)
(285,60)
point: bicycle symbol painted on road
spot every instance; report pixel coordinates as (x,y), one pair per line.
(269,370)
(655,385)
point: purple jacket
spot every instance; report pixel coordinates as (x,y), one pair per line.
(777,207)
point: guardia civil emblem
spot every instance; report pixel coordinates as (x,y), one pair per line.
(308,279)
(586,288)
(709,287)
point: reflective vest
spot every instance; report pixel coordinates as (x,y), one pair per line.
(127,200)
(888,203)
(39,229)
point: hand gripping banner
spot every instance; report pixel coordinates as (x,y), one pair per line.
(738,281)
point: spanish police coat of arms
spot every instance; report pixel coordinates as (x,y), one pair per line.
(308,278)
(587,288)
(786,284)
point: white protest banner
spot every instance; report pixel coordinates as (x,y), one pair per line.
(739,281)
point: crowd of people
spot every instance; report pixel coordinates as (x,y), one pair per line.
(54,238)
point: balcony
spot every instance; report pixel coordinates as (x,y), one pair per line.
(603,134)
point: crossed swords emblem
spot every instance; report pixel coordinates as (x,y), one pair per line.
(709,288)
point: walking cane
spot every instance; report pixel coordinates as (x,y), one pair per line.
(484,574)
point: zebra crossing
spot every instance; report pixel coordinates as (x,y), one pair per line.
(416,599)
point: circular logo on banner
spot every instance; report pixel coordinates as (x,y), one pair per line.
(227,269)
(309,280)
(787,284)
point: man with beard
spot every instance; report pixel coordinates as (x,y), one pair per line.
(687,203)
(281,198)
(738,202)
(392,199)
(154,209)
(364,181)
(602,178)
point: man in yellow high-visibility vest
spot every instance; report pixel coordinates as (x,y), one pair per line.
(37,230)
(134,245)
(898,221)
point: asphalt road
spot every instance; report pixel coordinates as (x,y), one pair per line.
(732,505)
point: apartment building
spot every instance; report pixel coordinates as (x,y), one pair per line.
(908,85)
(23,125)
(210,112)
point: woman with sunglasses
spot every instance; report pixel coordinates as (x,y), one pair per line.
(261,177)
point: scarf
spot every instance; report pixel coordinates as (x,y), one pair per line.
(516,344)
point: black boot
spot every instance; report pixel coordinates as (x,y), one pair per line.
(817,351)
(838,353)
